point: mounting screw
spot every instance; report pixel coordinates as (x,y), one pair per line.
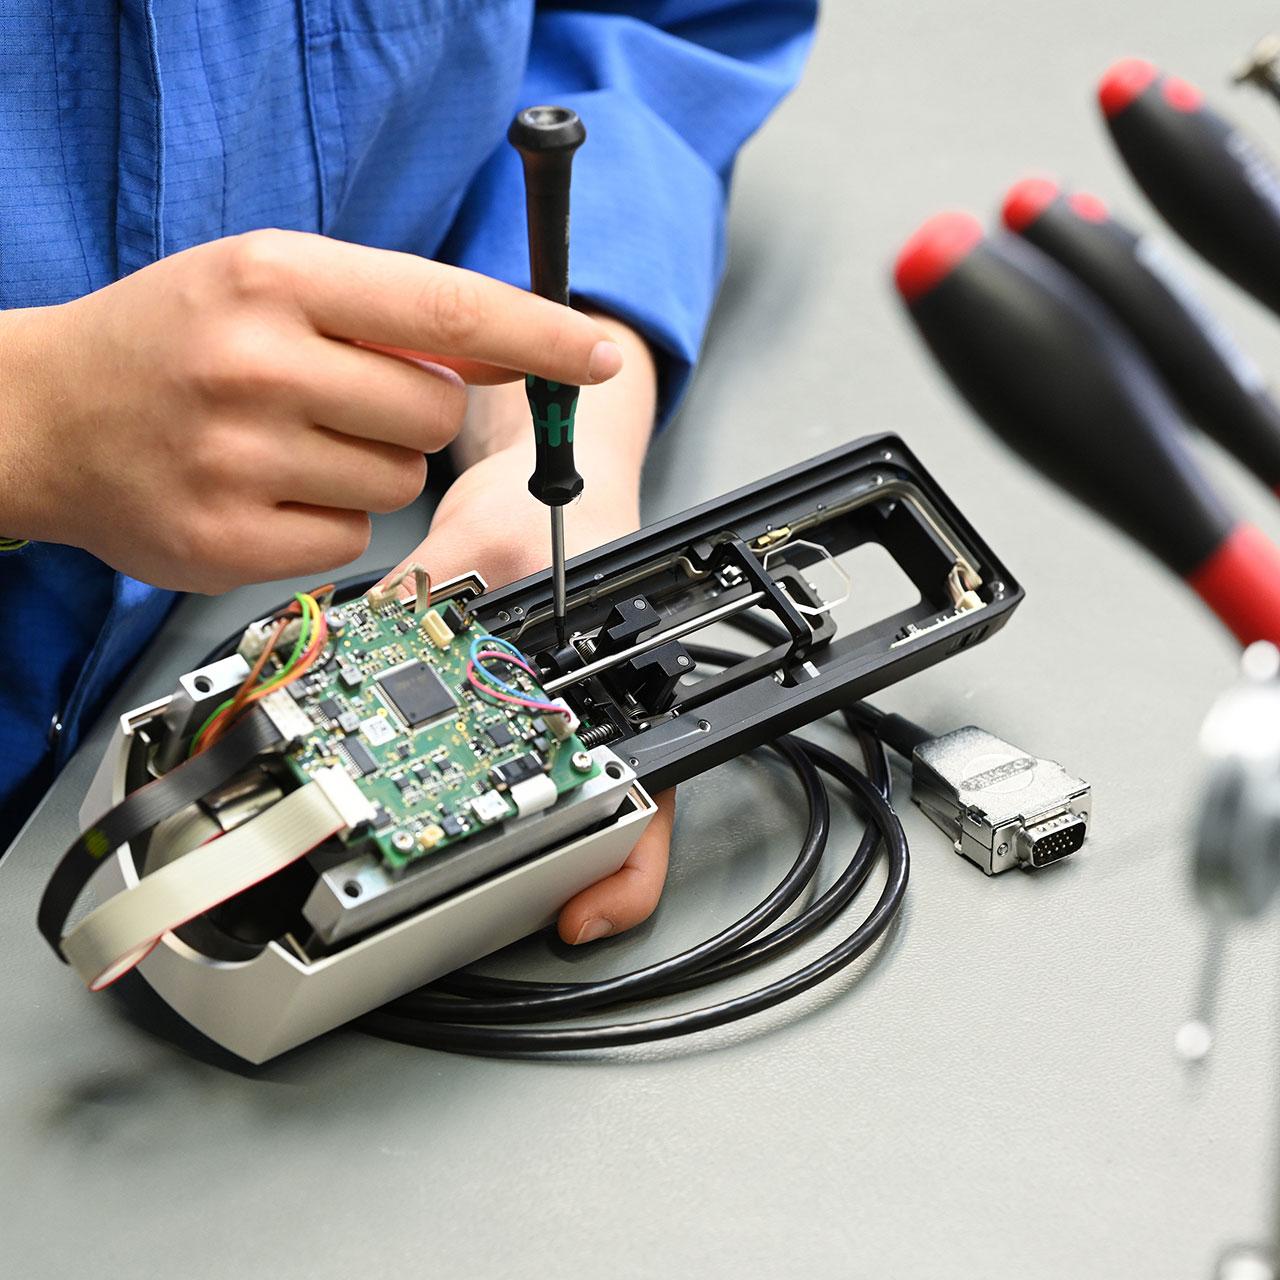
(704,725)
(580,761)
(682,661)
(402,842)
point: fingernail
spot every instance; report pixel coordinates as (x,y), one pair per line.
(605,361)
(593,929)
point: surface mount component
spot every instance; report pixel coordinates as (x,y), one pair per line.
(417,693)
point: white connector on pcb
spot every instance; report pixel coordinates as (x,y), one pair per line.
(562,726)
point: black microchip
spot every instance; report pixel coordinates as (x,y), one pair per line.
(359,755)
(517,770)
(329,709)
(499,735)
(417,693)
(452,825)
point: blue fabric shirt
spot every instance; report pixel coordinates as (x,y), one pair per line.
(131,129)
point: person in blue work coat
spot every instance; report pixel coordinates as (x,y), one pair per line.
(259,257)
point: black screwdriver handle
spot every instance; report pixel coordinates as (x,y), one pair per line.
(1209,182)
(1042,362)
(1218,387)
(547,138)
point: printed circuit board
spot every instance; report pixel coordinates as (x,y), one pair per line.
(391,703)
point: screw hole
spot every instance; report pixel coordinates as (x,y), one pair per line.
(202,684)
(352,888)
(613,770)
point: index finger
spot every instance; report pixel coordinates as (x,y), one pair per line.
(400,300)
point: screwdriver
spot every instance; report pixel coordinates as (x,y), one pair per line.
(1209,182)
(546,138)
(1051,372)
(1216,384)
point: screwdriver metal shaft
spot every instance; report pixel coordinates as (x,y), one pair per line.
(546,138)
(557,573)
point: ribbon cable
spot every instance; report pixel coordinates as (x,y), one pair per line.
(142,809)
(122,931)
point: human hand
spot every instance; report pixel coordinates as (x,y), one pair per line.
(233,413)
(488,521)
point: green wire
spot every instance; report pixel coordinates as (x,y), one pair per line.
(304,635)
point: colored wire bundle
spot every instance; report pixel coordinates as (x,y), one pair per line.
(487,648)
(313,635)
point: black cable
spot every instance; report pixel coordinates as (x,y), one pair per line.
(896,732)
(467,1012)
(400,1020)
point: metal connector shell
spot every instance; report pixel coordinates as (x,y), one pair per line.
(1000,807)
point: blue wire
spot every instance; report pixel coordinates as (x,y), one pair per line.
(479,642)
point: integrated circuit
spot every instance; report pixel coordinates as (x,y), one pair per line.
(517,770)
(417,693)
(359,755)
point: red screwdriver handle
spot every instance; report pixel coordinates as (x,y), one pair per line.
(1046,366)
(1208,180)
(1217,386)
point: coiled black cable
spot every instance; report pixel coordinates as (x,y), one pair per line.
(472,1013)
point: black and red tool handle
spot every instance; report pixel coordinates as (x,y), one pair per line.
(1052,373)
(1218,387)
(1210,183)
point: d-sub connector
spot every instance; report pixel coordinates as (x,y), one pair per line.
(1051,839)
(1001,807)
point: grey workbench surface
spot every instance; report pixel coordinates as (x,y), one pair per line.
(994,1092)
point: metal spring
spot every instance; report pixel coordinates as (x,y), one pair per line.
(598,735)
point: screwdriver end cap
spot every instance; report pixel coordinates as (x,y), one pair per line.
(934,251)
(1026,200)
(1123,82)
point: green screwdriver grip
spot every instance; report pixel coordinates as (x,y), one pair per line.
(555,480)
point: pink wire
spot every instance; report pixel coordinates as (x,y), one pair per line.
(511,658)
(531,703)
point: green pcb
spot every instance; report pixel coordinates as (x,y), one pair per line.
(438,760)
